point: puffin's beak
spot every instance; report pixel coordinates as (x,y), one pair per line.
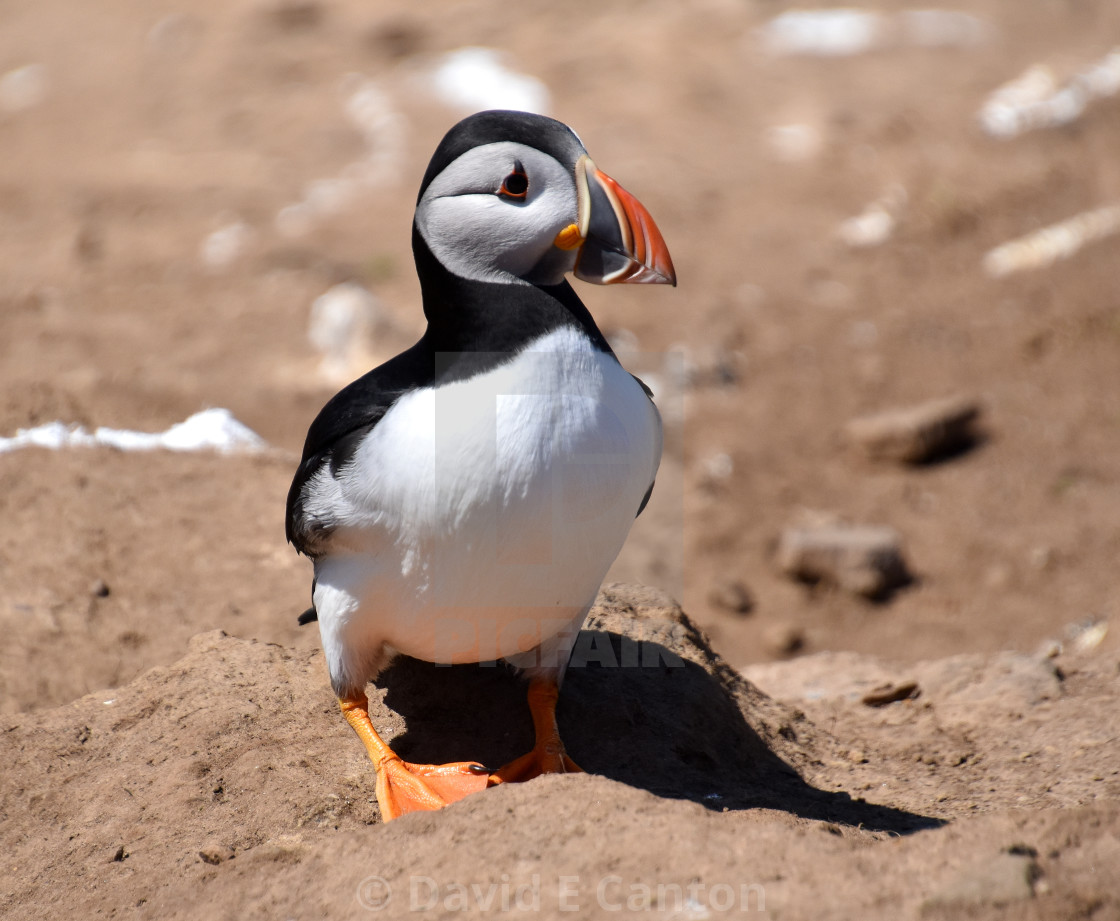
(617,238)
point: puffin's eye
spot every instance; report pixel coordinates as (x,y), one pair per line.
(516,184)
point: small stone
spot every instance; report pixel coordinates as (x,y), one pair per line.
(864,560)
(341,326)
(784,640)
(1087,636)
(794,143)
(24,88)
(732,595)
(293,15)
(716,469)
(1042,558)
(99,588)
(215,852)
(89,246)
(872,227)
(222,248)
(891,693)
(396,38)
(919,433)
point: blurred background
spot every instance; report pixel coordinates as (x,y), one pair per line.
(209,205)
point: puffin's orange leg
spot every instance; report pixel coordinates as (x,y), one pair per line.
(548,755)
(404,787)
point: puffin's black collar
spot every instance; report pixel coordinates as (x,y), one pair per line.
(483,321)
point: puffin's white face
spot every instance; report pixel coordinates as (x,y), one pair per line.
(494,215)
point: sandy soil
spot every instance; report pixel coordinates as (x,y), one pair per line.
(991,793)
(226,786)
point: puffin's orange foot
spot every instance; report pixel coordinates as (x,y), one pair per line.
(404,787)
(548,755)
(545,759)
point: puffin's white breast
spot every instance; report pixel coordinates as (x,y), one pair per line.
(480,516)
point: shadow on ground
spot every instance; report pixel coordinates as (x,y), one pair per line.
(660,722)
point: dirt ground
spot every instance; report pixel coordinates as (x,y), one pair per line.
(220,781)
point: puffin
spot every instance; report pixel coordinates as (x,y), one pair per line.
(463,501)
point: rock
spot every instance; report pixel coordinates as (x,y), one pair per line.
(478,78)
(214,852)
(89,244)
(732,595)
(340,316)
(876,223)
(1008,877)
(784,640)
(341,327)
(222,248)
(293,15)
(1087,636)
(794,143)
(864,560)
(716,469)
(396,38)
(1042,248)
(916,434)
(891,693)
(24,88)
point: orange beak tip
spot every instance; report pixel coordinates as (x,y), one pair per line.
(630,247)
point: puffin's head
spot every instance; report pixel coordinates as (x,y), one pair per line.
(510,195)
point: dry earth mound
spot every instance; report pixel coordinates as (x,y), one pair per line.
(227,786)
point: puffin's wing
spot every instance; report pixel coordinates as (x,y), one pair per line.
(339,429)
(649,492)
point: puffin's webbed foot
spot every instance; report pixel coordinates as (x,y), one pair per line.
(404,787)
